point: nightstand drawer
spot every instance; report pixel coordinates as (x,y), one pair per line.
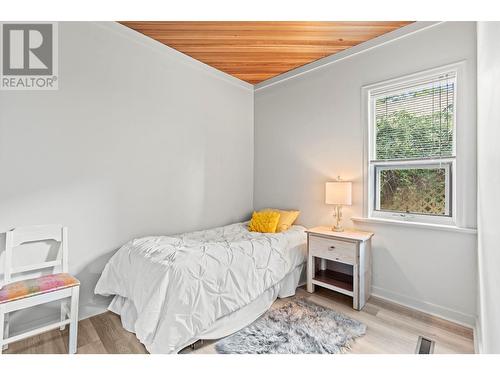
(331,249)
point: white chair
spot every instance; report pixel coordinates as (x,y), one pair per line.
(21,292)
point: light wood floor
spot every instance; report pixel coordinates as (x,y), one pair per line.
(390,329)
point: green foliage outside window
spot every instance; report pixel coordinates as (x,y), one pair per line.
(422,133)
(419,190)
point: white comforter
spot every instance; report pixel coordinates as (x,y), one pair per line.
(180,285)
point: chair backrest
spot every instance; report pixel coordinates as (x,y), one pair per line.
(36,233)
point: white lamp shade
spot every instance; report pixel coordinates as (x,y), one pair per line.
(338,192)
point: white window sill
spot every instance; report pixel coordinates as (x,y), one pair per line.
(449,228)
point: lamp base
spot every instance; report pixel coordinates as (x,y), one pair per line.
(337,214)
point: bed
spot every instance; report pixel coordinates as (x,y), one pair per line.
(174,290)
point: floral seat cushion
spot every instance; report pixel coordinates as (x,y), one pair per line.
(31,287)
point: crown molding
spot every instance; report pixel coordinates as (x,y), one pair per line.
(379,41)
(170,52)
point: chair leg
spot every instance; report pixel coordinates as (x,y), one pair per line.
(73,326)
(64,313)
(2,321)
(6,331)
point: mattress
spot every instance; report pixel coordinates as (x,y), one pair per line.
(176,289)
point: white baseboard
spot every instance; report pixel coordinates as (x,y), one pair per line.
(52,316)
(478,347)
(87,311)
(426,307)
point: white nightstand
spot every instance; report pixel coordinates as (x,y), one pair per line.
(351,253)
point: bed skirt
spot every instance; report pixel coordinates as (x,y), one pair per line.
(230,323)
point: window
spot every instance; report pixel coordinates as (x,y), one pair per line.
(411,152)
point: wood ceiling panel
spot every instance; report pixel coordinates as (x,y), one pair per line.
(256,51)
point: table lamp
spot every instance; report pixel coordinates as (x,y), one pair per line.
(338,193)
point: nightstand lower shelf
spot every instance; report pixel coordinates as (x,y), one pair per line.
(335,281)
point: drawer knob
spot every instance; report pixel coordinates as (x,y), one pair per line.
(332,247)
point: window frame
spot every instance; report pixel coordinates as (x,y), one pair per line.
(370,94)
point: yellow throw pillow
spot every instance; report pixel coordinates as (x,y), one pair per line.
(287,218)
(264,221)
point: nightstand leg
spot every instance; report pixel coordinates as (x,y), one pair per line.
(310,274)
(355,297)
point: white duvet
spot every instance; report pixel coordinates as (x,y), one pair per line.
(180,285)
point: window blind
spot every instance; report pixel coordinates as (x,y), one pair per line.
(417,122)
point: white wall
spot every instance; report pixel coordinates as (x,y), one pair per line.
(488,69)
(308,130)
(138,140)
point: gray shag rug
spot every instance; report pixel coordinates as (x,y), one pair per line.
(297,327)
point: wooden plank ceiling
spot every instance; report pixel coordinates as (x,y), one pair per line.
(256,51)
